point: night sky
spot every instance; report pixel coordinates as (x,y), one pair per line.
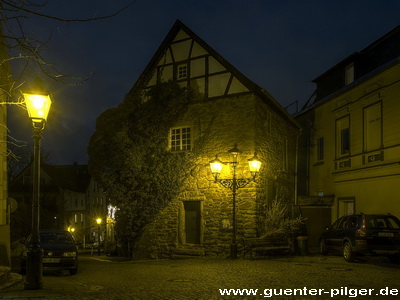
(280,45)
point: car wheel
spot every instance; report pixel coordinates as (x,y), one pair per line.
(394,258)
(73,271)
(323,249)
(348,253)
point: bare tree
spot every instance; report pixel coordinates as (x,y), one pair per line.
(25,50)
(23,53)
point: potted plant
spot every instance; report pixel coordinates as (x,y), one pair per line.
(279,221)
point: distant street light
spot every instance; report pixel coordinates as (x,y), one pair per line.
(98,221)
(234,184)
(38,106)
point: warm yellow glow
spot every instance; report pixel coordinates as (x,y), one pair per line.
(235,153)
(216,166)
(98,221)
(38,106)
(254,164)
(72,229)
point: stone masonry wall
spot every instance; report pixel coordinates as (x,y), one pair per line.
(227,121)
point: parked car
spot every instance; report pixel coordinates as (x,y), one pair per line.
(363,234)
(60,251)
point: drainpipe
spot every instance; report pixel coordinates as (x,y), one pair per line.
(296,168)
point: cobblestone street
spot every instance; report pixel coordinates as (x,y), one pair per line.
(101,277)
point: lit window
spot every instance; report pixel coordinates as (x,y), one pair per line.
(182,71)
(349,74)
(76,218)
(180,139)
(373,127)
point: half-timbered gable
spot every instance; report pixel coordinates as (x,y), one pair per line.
(236,111)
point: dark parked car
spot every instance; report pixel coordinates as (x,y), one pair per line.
(370,234)
(59,251)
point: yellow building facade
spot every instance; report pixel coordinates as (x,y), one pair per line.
(350,153)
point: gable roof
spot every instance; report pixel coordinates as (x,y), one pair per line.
(180,32)
(378,55)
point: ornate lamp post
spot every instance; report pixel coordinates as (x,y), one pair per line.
(98,221)
(234,184)
(38,106)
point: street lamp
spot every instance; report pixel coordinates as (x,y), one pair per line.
(98,221)
(234,184)
(38,106)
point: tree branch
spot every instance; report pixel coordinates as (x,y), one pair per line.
(30,11)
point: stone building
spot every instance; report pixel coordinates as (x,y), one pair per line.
(350,147)
(235,111)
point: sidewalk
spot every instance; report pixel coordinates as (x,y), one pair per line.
(8,278)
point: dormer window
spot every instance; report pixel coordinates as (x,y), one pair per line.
(349,74)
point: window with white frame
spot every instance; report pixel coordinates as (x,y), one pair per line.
(373,127)
(349,74)
(343,136)
(346,206)
(180,139)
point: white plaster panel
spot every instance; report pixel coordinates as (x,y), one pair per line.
(217,84)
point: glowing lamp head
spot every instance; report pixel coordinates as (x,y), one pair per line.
(254,165)
(235,153)
(38,106)
(98,221)
(216,167)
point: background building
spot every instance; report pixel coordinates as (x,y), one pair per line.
(350,144)
(69,200)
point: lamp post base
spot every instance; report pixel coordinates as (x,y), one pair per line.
(234,251)
(34,269)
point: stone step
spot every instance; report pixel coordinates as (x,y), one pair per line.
(189,251)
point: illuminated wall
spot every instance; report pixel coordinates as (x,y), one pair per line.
(361,145)
(236,111)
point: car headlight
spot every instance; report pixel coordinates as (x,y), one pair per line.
(69,254)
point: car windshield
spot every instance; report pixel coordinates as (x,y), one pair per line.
(382,222)
(55,237)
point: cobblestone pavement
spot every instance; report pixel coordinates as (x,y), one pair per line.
(101,277)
